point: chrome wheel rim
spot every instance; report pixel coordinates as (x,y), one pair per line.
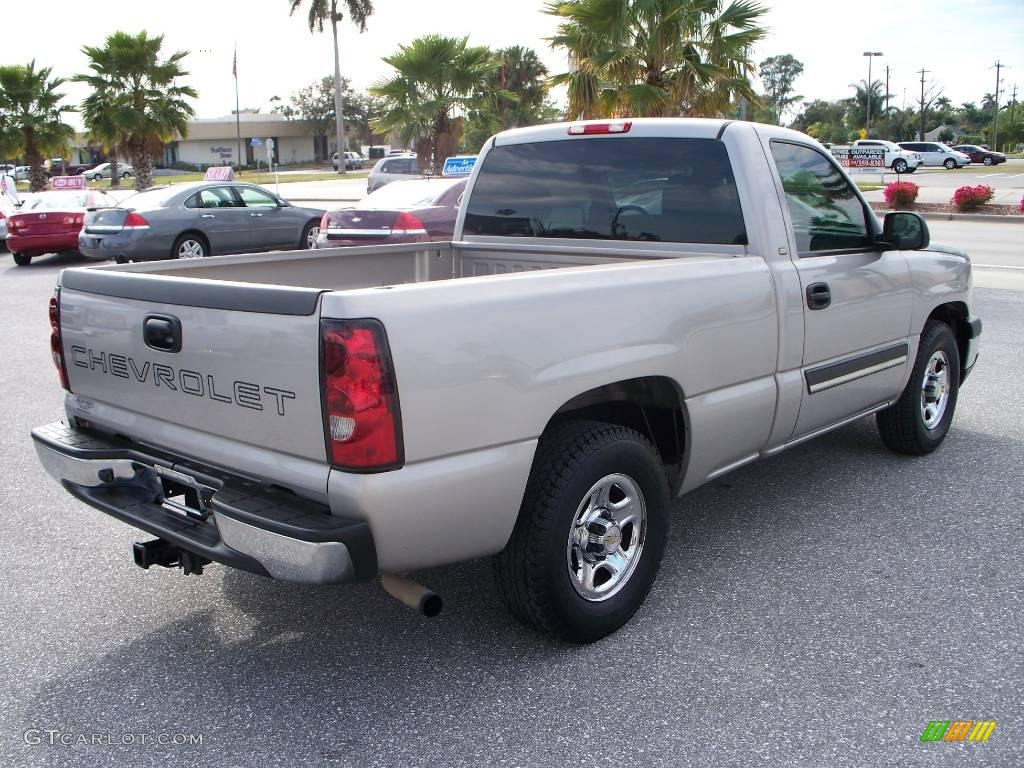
(190,249)
(313,234)
(935,390)
(606,538)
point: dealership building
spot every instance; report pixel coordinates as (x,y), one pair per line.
(214,141)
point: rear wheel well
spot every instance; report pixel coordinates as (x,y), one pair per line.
(651,405)
(954,315)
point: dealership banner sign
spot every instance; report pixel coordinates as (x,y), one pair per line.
(855,158)
(68,182)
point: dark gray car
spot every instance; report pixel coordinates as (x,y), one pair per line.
(188,221)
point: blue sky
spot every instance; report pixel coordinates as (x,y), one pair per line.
(958,42)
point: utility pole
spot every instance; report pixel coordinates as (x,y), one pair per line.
(995,115)
(868,90)
(1013,104)
(888,115)
(920,136)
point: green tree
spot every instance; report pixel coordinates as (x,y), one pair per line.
(434,81)
(138,100)
(779,73)
(314,106)
(321,11)
(515,95)
(362,111)
(656,58)
(876,92)
(32,117)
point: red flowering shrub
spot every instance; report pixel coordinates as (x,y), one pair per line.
(1022,205)
(972,198)
(900,193)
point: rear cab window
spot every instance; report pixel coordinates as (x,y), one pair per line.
(673,190)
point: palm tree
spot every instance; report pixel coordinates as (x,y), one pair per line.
(136,104)
(522,73)
(860,100)
(327,10)
(656,58)
(435,80)
(31,117)
(99,111)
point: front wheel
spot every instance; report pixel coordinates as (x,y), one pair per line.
(591,532)
(900,166)
(22,259)
(917,423)
(950,164)
(309,235)
(987,161)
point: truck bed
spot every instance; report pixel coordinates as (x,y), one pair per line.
(335,269)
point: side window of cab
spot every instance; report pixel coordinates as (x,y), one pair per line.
(826,212)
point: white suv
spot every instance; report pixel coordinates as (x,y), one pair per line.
(936,154)
(897,158)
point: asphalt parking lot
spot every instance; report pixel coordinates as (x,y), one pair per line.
(815,609)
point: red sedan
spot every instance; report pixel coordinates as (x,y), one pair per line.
(414,211)
(50,222)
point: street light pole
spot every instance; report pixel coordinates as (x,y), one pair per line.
(867,91)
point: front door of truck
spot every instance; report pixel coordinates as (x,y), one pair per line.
(856,298)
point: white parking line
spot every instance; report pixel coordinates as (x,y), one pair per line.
(988,175)
(994,266)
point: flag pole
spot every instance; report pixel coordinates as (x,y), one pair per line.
(238,118)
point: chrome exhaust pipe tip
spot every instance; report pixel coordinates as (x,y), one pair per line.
(414,595)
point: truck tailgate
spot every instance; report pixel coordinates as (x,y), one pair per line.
(234,360)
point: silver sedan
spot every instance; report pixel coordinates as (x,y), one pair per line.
(188,221)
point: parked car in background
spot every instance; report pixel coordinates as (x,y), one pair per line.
(189,221)
(50,222)
(102,171)
(391,169)
(413,211)
(935,154)
(981,154)
(59,167)
(399,152)
(22,173)
(897,158)
(7,208)
(353,161)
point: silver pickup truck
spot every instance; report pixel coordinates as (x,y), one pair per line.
(628,309)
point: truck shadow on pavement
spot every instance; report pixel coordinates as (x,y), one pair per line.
(763,568)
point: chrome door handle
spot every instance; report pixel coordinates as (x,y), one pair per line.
(255,214)
(208,216)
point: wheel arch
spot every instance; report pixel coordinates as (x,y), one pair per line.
(955,314)
(652,405)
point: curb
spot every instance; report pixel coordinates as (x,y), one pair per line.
(936,216)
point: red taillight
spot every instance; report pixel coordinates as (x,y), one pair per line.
(407,224)
(361,416)
(56,344)
(590,129)
(134,221)
(73,219)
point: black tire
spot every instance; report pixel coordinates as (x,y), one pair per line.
(126,175)
(199,239)
(304,241)
(902,425)
(532,571)
(950,164)
(22,259)
(900,165)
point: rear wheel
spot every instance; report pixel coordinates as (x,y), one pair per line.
(22,259)
(126,175)
(309,235)
(591,532)
(950,164)
(189,246)
(917,423)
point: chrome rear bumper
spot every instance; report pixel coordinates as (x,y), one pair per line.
(235,521)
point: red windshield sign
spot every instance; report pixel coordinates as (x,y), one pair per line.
(219,173)
(68,182)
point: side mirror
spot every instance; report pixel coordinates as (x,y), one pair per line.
(905,231)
